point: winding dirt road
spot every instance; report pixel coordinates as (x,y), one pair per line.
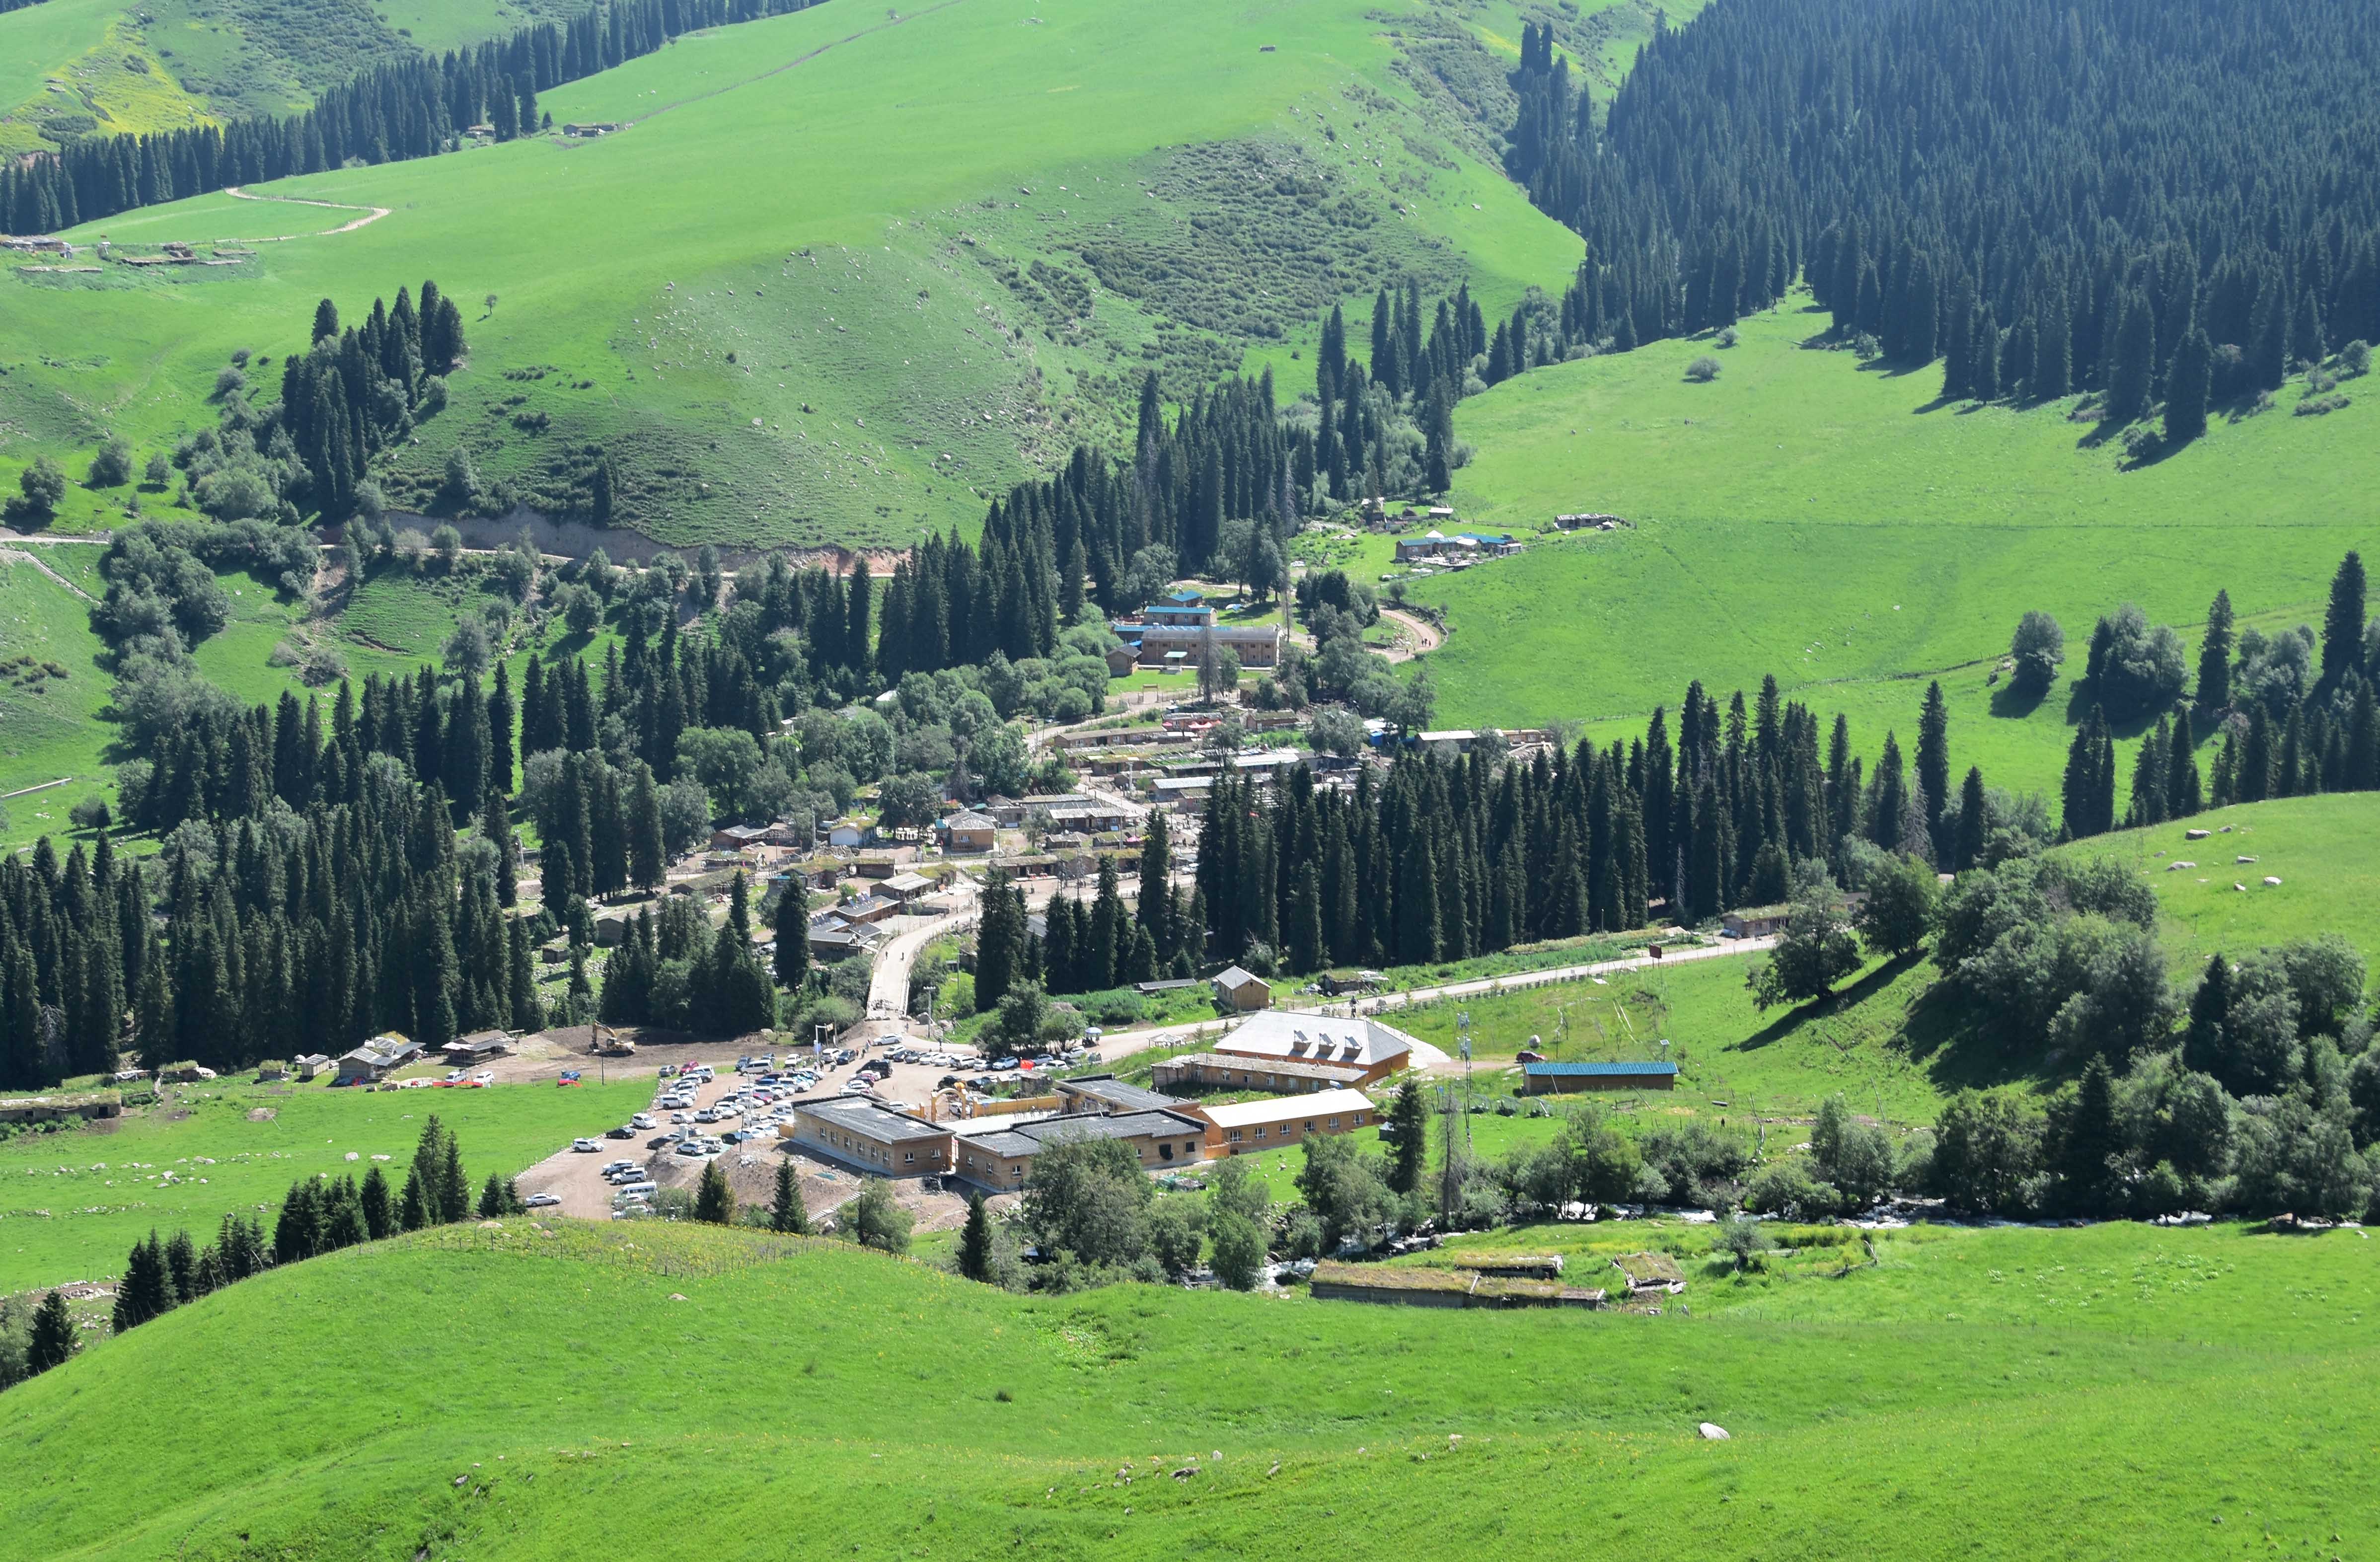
(1421,636)
(372,215)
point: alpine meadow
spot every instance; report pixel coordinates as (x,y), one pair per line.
(813,779)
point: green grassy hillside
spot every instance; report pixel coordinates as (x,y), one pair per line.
(73,1201)
(1882,1041)
(958,236)
(2324,851)
(1805,516)
(51,691)
(565,1392)
(54,684)
(173,62)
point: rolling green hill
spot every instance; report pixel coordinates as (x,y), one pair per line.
(157,66)
(957,236)
(2324,851)
(1879,1041)
(56,720)
(1805,515)
(559,1391)
(73,1201)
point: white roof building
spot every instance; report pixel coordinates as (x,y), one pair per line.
(1289,1036)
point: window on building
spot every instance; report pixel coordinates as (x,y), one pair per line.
(1357,1120)
(1335,1124)
(1165,1152)
(1309,1125)
(1235,1136)
(908,1157)
(1260,1133)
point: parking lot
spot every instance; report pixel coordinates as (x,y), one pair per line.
(576,1180)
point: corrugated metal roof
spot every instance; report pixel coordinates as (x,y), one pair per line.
(1597,1070)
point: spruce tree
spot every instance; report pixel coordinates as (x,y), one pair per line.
(2215,657)
(999,940)
(2186,387)
(975,1242)
(792,952)
(786,1213)
(1410,1116)
(2363,761)
(1933,764)
(52,1340)
(2203,1047)
(2184,795)
(2079,793)
(714,1202)
(2342,623)
(646,854)
(500,733)
(380,1220)
(2090,1136)
(144,1293)
(1967,851)
(454,1188)
(181,1267)
(2132,362)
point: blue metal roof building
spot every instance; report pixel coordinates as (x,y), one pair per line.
(1561,1078)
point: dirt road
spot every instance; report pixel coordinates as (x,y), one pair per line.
(1421,636)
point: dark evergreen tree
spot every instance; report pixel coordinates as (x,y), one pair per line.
(2342,623)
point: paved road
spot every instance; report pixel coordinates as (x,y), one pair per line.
(888,986)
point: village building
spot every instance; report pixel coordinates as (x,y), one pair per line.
(1241,1127)
(1286,1036)
(904,889)
(873,1137)
(1106,1096)
(479,1046)
(1002,1157)
(1218,1070)
(1181,631)
(969,832)
(378,1057)
(850,834)
(1754,922)
(1461,548)
(1570,1079)
(1242,990)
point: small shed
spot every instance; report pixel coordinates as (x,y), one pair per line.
(1650,1274)
(1568,1079)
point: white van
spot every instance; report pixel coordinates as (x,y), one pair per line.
(628,1191)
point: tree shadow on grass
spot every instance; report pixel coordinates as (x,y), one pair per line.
(1940,1034)
(1819,1010)
(2014,704)
(1947,1038)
